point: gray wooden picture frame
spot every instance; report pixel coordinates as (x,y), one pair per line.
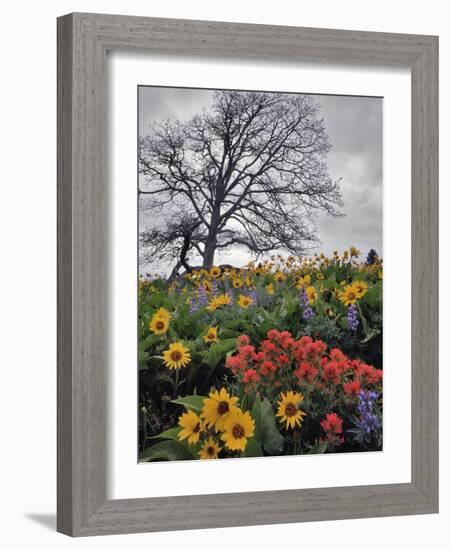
(83,41)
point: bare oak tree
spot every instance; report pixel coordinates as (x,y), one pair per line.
(250,172)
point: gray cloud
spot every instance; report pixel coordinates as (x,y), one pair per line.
(355,128)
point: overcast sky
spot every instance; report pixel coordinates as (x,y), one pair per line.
(354,125)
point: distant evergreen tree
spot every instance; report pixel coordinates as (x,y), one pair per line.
(372,257)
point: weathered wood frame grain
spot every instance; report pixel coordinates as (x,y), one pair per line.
(83,40)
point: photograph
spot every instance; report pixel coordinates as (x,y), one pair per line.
(260,291)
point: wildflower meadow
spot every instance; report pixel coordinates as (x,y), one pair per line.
(279,357)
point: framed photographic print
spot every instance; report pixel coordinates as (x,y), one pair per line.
(247,274)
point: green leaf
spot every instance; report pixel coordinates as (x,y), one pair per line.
(266,432)
(169,434)
(319,448)
(143,356)
(218,352)
(148,341)
(374,295)
(229,333)
(272,440)
(165,378)
(191,402)
(253,448)
(256,414)
(166,450)
(370,334)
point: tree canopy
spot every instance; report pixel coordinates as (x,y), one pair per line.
(250,172)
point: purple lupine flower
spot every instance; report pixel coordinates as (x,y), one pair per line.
(214,288)
(200,302)
(202,297)
(226,284)
(368,421)
(253,294)
(352,318)
(308,312)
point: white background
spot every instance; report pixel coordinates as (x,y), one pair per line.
(28,300)
(131,480)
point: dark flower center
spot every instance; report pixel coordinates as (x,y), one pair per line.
(290,409)
(351,296)
(197,428)
(223,407)
(210,451)
(238,431)
(175,356)
(159,325)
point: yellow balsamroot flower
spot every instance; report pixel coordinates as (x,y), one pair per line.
(270,289)
(162,312)
(209,450)
(217,407)
(348,296)
(238,283)
(288,409)
(211,336)
(244,301)
(312,294)
(238,427)
(160,320)
(360,288)
(177,356)
(218,302)
(192,427)
(303,281)
(354,252)
(159,325)
(207,285)
(279,277)
(319,276)
(215,272)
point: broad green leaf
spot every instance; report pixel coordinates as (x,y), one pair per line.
(165,378)
(143,356)
(256,414)
(218,352)
(266,432)
(166,450)
(227,333)
(374,295)
(370,334)
(319,448)
(191,402)
(253,448)
(169,434)
(272,440)
(149,341)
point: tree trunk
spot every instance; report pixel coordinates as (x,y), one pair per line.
(210,245)
(211,242)
(184,251)
(210,250)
